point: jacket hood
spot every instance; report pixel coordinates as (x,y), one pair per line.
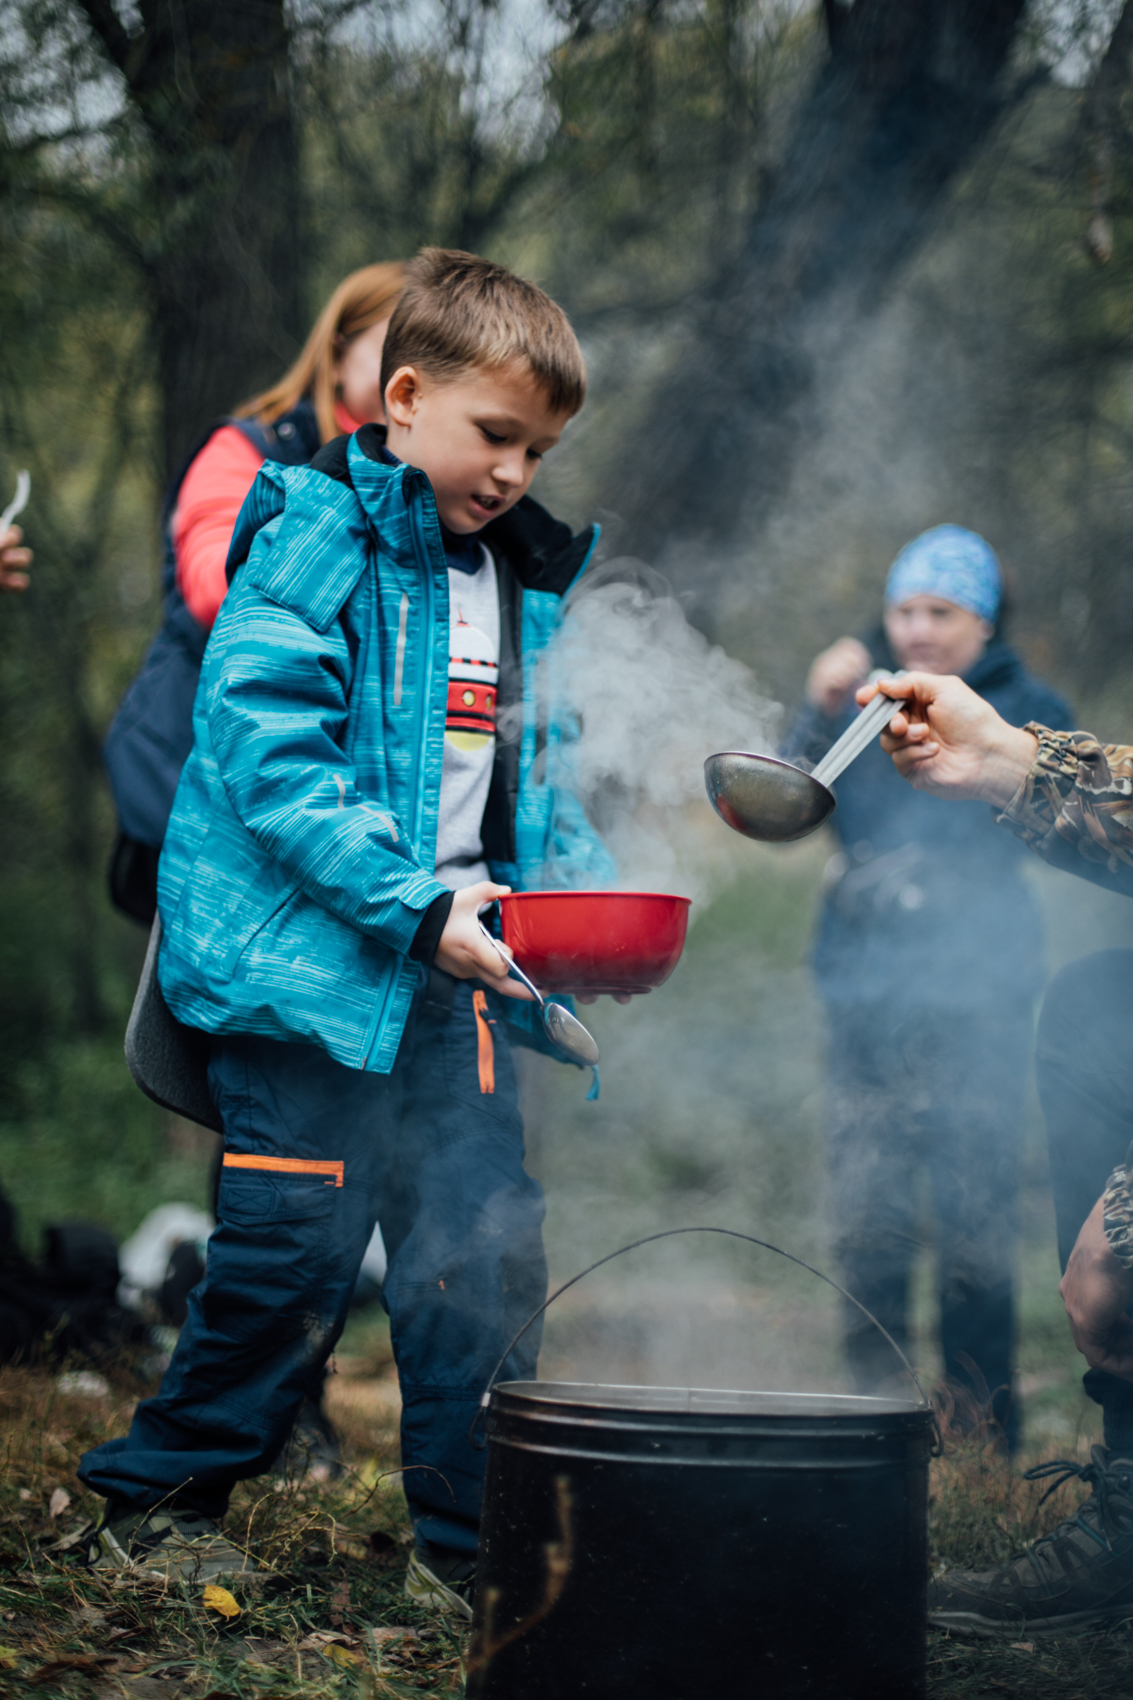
(542,552)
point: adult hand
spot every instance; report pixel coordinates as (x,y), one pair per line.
(465,953)
(949,741)
(834,673)
(13,560)
(1096,1290)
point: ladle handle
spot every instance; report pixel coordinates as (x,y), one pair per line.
(858,735)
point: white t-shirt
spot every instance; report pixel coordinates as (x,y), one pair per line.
(470,723)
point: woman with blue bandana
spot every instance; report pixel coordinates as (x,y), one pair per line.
(927,1100)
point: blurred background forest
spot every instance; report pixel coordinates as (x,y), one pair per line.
(841,272)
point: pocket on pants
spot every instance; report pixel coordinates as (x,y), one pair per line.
(479,1071)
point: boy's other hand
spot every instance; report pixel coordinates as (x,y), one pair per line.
(13,560)
(834,673)
(592,997)
(465,953)
(947,740)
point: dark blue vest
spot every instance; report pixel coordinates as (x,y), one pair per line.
(152,733)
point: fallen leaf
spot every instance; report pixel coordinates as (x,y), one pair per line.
(219,1599)
(25,1494)
(343,1657)
(8,1657)
(1022,1646)
(60,1500)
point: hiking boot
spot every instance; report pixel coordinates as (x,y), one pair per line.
(441,1580)
(167,1541)
(1081,1573)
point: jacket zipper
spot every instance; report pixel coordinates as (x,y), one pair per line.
(399,660)
(378,1022)
(427,682)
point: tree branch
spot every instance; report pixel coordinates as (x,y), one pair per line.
(1101,120)
(107,25)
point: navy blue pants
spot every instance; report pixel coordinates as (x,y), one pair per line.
(314,1153)
(931,1098)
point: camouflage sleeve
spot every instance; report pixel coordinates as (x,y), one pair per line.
(1075,807)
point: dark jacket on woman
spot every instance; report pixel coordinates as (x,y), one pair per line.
(925,899)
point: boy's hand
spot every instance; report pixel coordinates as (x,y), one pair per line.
(592,997)
(834,673)
(13,560)
(465,953)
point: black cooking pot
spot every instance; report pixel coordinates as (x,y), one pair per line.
(651,1543)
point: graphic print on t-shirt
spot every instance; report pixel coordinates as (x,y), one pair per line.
(473,677)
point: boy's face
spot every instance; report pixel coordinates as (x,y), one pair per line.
(478,438)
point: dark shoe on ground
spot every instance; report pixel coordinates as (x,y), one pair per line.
(441,1580)
(312,1451)
(166,1542)
(1079,1574)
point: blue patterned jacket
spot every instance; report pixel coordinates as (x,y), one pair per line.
(298,859)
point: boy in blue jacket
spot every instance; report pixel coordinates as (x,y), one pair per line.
(368,739)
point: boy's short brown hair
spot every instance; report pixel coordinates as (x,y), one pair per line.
(458,312)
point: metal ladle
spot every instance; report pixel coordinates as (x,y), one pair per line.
(774,800)
(561,1027)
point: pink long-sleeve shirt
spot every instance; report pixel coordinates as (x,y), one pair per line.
(211,495)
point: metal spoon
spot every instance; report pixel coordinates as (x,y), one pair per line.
(561,1027)
(19,501)
(774,800)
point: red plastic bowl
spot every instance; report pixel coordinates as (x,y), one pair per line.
(595,941)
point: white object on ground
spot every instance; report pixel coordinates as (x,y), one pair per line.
(144,1258)
(84,1384)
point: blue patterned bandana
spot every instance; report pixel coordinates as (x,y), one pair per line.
(951,563)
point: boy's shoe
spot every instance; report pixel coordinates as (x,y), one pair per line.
(1079,1574)
(168,1542)
(441,1580)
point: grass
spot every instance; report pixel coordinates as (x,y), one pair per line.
(324,1617)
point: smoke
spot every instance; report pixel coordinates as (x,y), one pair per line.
(652,698)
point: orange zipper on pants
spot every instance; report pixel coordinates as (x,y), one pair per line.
(485,1051)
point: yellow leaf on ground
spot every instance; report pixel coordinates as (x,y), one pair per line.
(219,1599)
(8,1658)
(344,1658)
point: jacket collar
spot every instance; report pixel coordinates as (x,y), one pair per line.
(541,550)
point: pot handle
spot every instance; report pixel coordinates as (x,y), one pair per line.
(475,1433)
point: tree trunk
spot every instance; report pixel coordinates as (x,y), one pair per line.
(209,81)
(909,89)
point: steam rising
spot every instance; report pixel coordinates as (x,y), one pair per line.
(653,698)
